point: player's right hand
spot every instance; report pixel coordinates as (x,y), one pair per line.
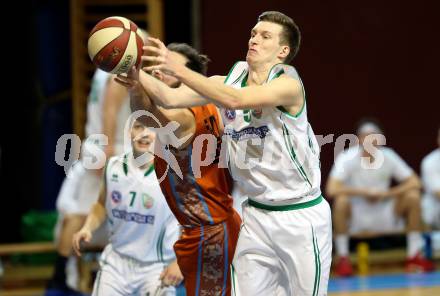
(82,235)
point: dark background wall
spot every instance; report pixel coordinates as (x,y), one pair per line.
(357,58)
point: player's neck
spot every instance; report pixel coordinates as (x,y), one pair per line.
(258,74)
(142,160)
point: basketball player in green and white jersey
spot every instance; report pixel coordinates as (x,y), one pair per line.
(139,259)
(284,246)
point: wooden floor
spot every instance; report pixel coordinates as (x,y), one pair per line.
(416,291)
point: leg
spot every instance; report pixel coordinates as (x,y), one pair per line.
(341,214)
(341,218)
(114,275)
(303,242)
(149,277)
(408,205)
(204,255)
(256,269)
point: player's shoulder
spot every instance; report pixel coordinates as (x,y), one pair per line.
(284,71)
(432,159)
(116,160)
(349,154)
(389,152)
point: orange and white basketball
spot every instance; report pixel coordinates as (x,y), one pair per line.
(115,45)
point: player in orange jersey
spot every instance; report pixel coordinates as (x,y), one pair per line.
(198,194)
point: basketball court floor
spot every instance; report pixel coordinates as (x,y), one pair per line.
(401,284)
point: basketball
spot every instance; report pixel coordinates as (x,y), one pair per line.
(115,45)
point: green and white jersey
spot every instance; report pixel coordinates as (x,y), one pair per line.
(141,224)
(273,155)
(95,108)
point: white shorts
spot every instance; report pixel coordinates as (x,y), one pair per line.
(120,275)
(378,216)
(283,253)
(431,211)
(238,198)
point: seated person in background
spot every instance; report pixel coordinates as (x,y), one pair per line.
(431,184)
(360,183)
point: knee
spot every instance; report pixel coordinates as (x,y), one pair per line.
(412,198)
(341,204)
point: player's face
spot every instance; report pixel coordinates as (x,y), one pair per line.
(170,80)
(264,44)
(142,138)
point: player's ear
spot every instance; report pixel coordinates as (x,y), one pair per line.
(284,52)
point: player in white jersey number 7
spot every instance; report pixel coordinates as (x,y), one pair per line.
(139,259)
(284,247)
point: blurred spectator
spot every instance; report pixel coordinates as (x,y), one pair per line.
(364,201)
(431,199)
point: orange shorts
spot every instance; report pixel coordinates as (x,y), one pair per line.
(204,254)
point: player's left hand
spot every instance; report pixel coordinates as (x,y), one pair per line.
(158,55)
(171,276)
(129,80)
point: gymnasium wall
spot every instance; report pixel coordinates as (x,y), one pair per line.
(357,58)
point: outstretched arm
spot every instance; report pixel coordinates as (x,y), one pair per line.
(284,91)
(114,97)
(167,97)
(140,100)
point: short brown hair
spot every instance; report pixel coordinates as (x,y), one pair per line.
(290,34)
(196,61)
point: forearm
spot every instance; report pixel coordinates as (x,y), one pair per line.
(109,123)
(95,218)
(213,90)
(167,97)
(139,100)
(348,191)
(336,187)
(437,194)
(410,184)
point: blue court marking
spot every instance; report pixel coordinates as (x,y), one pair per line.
(389,281)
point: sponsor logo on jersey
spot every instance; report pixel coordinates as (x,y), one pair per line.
(116,196)
(114,178)
(248,133)
(148,201)
(133,217)
(230,114)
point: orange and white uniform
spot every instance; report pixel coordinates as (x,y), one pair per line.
(203,206)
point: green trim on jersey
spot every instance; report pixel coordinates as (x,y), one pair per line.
(159,246)
(124,164)
(105,175)
(233,277)
(244,81)
(230,72)
(150,169)
(289,147)
(317,264)
(297,206)
(287,113)
(125,167)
